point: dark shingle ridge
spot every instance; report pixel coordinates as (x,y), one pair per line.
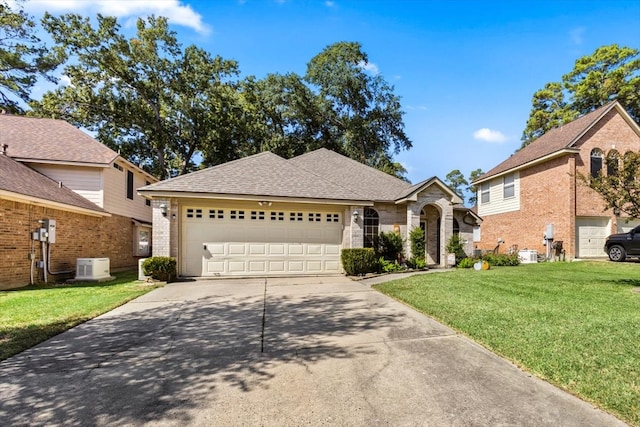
(556,139)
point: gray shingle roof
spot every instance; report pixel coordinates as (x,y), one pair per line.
(49,140)
(20,179)
(551,142)
(264,174)
(371,183)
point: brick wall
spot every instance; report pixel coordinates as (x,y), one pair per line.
(545,198)
(77,236)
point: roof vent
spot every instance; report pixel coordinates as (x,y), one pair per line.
(4,149)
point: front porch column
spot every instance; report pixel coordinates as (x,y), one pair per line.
(356,226)
(161,231)
(413,221)
(446,229)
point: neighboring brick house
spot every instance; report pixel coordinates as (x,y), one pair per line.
(537,186)
(52,170)
(265,215)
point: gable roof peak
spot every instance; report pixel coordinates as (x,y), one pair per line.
(556,141)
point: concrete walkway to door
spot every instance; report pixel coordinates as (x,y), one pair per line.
(274,352)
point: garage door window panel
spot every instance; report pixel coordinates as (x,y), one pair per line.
(216,214)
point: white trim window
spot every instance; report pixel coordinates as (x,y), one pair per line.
(141,241)
(509,186)
(484,193)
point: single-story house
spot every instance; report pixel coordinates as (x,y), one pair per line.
(266,215)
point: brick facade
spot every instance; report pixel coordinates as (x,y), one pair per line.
(78,236)
(550,193)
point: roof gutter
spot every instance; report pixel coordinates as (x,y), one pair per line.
(151,194)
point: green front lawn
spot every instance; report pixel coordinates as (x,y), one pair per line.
(33,314)
(576,325)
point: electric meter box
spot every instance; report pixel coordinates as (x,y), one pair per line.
(50,227)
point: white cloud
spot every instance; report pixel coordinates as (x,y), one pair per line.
(370,67)
(174,10)
(65,80)
(488,135)
(576,35)
(329,3)
(417,107)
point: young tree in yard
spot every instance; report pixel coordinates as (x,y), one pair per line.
(610,73)
(471,189)
(145,97)
(619,189)
(455,180)
(23,58)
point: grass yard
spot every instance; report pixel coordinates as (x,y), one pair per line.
(576,325)
(33,314)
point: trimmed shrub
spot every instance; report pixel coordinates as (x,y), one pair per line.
(359,261)
(160,268)
(455,246)
(501,260)
(418,263)
(466,263)
(389,266)
(416,240)
(390,246)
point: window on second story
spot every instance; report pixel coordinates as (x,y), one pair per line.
(147,201)
(484,193)
(129,185)
(613,159)
(509,187)
(596,162)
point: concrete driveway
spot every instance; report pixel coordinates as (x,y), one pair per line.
(274,352)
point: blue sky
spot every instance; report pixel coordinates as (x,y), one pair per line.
(465,70)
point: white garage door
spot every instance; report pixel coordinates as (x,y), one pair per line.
(220,242)
(591,234)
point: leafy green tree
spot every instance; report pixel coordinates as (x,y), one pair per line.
(145,97)
(610,73)
(361,114)
(620,189)
(23,58)
(471,188)
(455,180)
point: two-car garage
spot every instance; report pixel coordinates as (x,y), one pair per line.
(244,240)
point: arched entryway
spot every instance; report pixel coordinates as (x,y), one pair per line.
(431,223)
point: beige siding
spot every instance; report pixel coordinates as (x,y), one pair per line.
(115,194)
(497,202)
(86,181)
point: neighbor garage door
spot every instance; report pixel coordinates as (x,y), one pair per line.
(242,242)
(591,234)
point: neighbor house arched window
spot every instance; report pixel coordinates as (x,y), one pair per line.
(613,159)
(371,226)
(596,162)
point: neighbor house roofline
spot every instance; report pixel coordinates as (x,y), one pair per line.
(557,141)
(546,158)
(23,198)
